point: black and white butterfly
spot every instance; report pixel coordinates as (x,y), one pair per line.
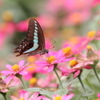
(34,43)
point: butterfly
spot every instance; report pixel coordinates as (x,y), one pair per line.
(34,43)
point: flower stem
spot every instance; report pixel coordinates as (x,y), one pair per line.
(20,77)
(96,74)
(4,95)
(80,80)
(23,83)
(58,76)
(94,69)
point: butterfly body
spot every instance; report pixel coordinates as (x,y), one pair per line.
(34,43)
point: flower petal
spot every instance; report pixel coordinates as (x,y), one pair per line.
(76,73)
(21,63)
(50,68)
(24,94)
(69,96)
(9,67)
(6,72)
(14,98)
(41,63)
(35,95)
(23,72)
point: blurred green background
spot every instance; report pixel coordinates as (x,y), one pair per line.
(61,21)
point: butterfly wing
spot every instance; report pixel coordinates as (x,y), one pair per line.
(34,42)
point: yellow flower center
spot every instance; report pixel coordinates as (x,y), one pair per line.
(91,34)
(16,67)
(73,63)
(89,47)
(51,59)
(33,81)
(7,16)
(21,99)
(31,69)
(67,51)
(58,98)
(31,59)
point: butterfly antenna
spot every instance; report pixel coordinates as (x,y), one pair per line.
(52,46)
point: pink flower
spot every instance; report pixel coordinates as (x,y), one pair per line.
(46,21)
(66,71)
(93,35)
(95,3)
(72,5)
(77,17)
(51,59)
(8,82)
(16,69)
(56,5)
(75,46)
(48,44)
(98,95)
(24,95)
(22,26)
(48,81)
(76,65)
(65,97)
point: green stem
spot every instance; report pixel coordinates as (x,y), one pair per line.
(94,69)
(20,77)
(4,95)
(96,74)
(79,78)
(58,76)
(23,83)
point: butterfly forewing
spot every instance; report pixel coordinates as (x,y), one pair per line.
(34,42)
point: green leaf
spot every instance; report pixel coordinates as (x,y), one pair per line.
(61,92)
(88,93)
(42,91)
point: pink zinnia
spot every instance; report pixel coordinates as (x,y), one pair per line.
(51,59)
(65,97)
(19,68)
(24,95)
(8,82)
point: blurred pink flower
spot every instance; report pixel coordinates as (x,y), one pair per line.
(48,44)
(66,71)
(22,26)
(19,68)
(46,21)
(98,95)
(51,59)
(77,63)
(70,48)
(2,39)
(1,2)
(54,6)
(24,95)
(93,35)
(72,5)
(48,81)
(8,82)
(95,3)
(7,28)
(77,17)
(65,97)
